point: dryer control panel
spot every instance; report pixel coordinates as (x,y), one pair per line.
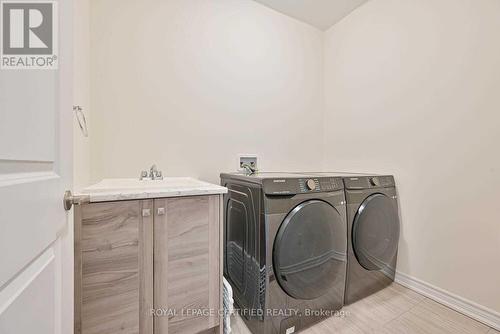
(306,185)
(368,182)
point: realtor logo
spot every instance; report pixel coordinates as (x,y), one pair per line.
(29,34)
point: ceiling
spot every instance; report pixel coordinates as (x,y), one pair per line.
(319,13)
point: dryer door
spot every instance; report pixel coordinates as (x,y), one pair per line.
(375,232)
(310,250)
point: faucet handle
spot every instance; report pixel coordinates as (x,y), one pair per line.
(144,175)
(153,174)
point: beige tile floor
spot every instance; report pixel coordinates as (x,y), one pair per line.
(394,310)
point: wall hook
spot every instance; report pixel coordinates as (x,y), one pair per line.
(82,121)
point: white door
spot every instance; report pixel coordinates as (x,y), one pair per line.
(35,170)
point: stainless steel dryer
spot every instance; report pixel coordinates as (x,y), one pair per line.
(373,234)
(285,248)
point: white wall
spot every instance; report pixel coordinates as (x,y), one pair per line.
(190,84)
(81,92)
(412,88)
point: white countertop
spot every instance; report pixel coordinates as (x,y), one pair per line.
(128,189)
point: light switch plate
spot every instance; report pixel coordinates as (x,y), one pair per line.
(250,159)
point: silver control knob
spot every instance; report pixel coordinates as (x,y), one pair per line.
(374,181)
(311,185)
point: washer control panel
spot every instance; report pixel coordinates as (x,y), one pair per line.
(302,185)
(307,185)
(322,184)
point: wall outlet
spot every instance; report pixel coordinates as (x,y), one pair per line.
(250,159)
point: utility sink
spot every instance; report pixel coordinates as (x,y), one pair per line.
(127,189)
(135,184)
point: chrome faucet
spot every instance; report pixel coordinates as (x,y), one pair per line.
(144,175)
(154,174)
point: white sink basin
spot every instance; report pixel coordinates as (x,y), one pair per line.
(126,189)
(136,184)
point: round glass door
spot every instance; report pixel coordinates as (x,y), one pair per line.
(375,232)
(310,250)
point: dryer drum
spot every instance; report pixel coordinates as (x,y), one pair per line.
(375,232)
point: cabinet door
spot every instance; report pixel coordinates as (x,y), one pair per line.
(187,264)
(114,268)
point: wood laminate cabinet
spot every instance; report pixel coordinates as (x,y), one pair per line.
(139,256)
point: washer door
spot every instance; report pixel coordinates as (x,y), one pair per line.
(310,250)
(375,232)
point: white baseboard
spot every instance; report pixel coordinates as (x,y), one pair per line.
(478,312)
